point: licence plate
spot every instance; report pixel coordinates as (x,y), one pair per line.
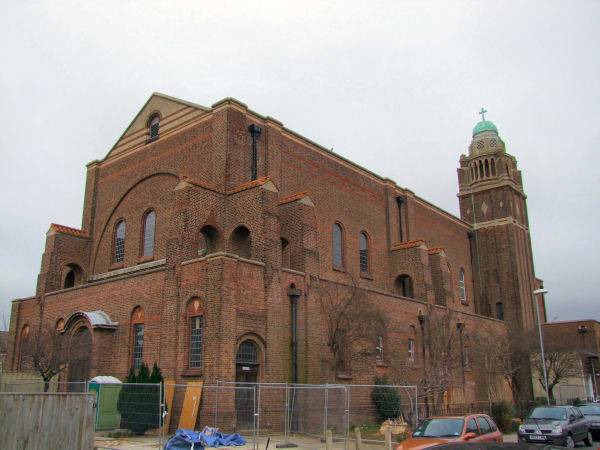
(537,437)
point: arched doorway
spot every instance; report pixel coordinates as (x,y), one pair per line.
(80,354)
(246,375)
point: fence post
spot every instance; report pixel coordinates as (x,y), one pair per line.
(254,416)
(287,412)
(256,430)
(216,403)
(325,412)
(358,437)
(388,438)
(346,416)
(329,440)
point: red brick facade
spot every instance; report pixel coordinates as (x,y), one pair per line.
(227,248)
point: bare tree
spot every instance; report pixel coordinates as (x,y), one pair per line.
(444,358)
(561,363)
(47,351)
(351,323)
(499,359)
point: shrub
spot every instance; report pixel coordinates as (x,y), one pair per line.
(388,403)
(139,402)
(503,416)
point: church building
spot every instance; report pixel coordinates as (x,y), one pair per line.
(222,245)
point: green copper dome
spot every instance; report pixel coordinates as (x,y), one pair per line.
(484,125)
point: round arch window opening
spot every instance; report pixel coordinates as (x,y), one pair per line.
(246,354)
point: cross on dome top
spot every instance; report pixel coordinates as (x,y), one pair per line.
(482,112)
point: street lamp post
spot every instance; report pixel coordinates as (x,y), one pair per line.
(537,309)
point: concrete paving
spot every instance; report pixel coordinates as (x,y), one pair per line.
(303,443)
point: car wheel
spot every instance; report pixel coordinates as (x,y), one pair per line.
(589,439)
(569,442)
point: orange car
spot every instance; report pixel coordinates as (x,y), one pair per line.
(442,429)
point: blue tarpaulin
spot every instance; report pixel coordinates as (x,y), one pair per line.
(188,439)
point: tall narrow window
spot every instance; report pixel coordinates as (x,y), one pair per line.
(25,347)
(340,356)
(285,253)
(154,122)
(364,253)
(149,226)
(404,286)
(196,342)
(137,337)
(138,345)
(379,349)
(499,311)
(119,242)
(461,285)
(338,256)
(411,350)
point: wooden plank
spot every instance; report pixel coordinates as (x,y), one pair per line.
(191,402)
(169,393)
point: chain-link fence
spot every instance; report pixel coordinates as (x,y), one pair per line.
(280,412)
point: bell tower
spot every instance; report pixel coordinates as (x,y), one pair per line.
(492,200)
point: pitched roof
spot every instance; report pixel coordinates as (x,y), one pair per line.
(68,230)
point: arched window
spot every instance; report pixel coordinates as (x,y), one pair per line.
(72,276)
(154,122)
(137,342)
(364,253)
(25,348)
(207,240)
(149,227)
(404,286)
(119,247)
(195,316)
(338,254)
(246,353)
(69,279)
(461,286)
(240,242)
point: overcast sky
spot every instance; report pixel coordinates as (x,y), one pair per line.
(393,85)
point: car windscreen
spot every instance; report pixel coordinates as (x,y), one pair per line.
(549,413)
(590,409)
(442,427)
